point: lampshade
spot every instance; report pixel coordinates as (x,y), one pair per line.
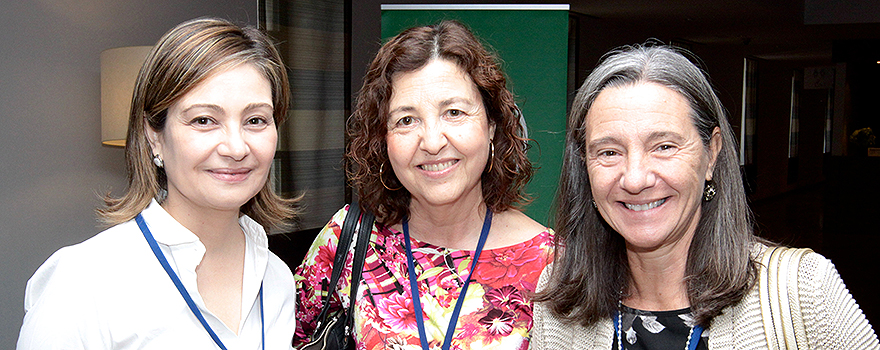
(119,70)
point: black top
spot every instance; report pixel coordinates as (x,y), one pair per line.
(657,330)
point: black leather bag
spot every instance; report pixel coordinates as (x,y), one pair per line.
(333,331)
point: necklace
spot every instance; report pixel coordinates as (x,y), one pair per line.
(692,340)
(417,304)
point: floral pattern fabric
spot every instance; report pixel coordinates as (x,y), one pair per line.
(657,330)
(496,312)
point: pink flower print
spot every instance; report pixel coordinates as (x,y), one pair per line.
(398,313)
(498,322)
(506,298)
(501,267)
(468,327)
(326,253)
(396,343)
(448,281)
(367,316)
(322,267)
(447,300)
(447,290)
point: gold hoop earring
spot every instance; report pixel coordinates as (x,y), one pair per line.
(381,176)
(491,155)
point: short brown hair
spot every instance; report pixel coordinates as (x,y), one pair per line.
(183,58)
(411,50)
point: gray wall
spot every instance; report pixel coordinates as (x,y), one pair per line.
(52,163)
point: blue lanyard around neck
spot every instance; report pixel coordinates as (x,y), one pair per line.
(692,343)
(180,288)
(417,304)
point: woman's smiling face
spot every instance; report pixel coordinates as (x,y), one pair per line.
(438,133)
(218,142)
(647,163)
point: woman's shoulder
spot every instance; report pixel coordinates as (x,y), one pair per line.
(813,270)
(277,269)
(97,249)
(817,273)
(333,229)
(519,228)
(82,265)
(829,312)
(551,331)
(324,245)
(809,263)
(518,219)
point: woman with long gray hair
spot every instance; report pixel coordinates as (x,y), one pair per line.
(655,242)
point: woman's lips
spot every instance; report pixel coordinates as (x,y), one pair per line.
(435,167)
(646,206)
(230,175)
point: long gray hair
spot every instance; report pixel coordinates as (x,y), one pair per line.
(592,270)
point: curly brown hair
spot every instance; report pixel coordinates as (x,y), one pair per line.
(510,170)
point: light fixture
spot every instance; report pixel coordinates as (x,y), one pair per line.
(119,70)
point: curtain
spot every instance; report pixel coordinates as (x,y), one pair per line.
(312,39)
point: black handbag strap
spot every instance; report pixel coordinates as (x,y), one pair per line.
(342,247)
(365,231)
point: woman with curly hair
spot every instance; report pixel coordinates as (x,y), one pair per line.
(438,154)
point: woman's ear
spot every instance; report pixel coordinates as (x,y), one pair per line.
(154,138)
(715,143)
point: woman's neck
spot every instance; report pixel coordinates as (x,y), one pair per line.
(454,226)
(658,278)
(216,229)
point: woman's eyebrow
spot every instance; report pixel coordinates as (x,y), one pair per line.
(203,105)
(402,109)
(450,101)
(661,135)
(258,105)
(601,141)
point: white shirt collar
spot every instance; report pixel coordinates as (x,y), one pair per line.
(186,252)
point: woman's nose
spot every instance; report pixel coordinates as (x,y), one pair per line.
(638,174)
(234,145)
(433,138)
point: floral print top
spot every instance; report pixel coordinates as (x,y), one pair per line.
(496,313)
(646,330)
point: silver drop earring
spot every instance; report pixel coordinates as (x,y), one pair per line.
(158,161)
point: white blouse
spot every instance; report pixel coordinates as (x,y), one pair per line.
(110,292)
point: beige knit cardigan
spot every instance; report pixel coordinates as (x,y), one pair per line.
(832,318)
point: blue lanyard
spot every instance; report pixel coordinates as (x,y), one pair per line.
(177,283)
(692,343)
(417,304)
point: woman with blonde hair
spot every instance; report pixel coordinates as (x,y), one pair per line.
(185,263)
